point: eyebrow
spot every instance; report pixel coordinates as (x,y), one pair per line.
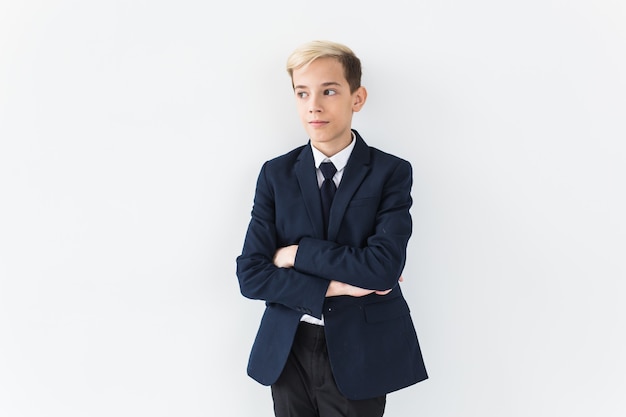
(326,84)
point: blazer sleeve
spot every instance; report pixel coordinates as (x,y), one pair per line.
(379,264)
(258,277)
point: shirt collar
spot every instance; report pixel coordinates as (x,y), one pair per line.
(340,159)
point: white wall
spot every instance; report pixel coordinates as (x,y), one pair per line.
(131,134)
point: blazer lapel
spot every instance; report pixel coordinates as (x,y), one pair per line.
(355,172)
(307,179)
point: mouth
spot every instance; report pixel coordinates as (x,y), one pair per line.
(318,123)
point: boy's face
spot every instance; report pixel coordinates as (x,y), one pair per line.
(325,104)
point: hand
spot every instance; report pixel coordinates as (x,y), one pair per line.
(336,288)
(285,257)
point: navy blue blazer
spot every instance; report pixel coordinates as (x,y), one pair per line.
(372,344)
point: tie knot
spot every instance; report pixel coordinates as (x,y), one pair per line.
(328,170)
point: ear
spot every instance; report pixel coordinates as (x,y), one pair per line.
(358,98)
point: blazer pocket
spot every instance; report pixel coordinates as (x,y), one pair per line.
(364,202)
(387,310)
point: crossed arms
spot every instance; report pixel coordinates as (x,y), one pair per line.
(285,257)
(301,275)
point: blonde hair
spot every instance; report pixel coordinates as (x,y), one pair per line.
(309,52)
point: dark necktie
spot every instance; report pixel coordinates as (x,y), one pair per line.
(327,192)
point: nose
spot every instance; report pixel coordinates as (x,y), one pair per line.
(314,106)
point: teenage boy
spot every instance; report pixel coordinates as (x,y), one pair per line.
(325,249)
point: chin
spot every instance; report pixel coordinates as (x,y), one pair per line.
(318,136)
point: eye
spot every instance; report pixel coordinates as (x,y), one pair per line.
(330,92)
(301,94)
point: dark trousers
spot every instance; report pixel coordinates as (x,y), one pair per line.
(306,387)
